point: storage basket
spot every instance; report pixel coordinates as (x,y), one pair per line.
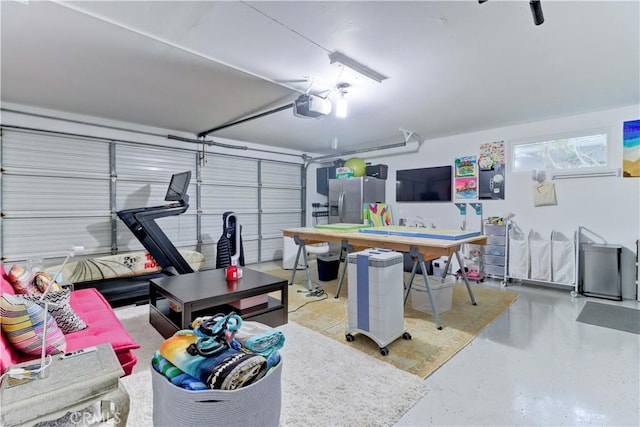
(540,257)
(494,250)
(441,289)
(255,404)
(494,260)
(563,258)
(518,254)
(494,229)
(496,240)
(494,270)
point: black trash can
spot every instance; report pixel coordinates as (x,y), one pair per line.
(408,265)
(328,265)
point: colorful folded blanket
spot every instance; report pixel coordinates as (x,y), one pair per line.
(224,369)
(260,338)
(175,375)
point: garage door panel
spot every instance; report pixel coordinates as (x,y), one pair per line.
(281,199)
(49,195)
(280,174)
(225,169)
(48,237)
(34,153)
(180,230)
(273,223)
(219,198)
(272,249)
(141,163)
(48,209)
(139,194)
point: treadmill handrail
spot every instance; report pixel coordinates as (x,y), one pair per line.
(141,221)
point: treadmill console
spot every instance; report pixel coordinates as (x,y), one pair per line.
(141,221)
(177,191)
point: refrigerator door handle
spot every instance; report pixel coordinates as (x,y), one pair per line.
(340,203)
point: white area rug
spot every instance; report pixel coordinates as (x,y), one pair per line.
(324,383)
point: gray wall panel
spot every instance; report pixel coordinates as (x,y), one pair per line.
(36,195)
(230,170)
(272,223)
(30,238)
(212,227)
(272,249)
(51,155)
(141,163)
(57,192)
(137,194)
(219,199)
(181,230)
(250,252)
(209,252)
(278,199)
(280,174)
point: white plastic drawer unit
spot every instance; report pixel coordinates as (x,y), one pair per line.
(494,270)
(495,250)
(496,240)
(494,230)
(494,260)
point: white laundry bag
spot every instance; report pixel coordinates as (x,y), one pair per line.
(563,258)
(540,257)
(518,254)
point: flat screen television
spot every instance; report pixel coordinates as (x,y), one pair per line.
(177,191)
(424,185)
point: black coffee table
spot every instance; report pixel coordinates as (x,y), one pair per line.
(208,292)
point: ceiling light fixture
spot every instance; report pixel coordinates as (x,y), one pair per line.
(341,107)
(356,66)
(341,103)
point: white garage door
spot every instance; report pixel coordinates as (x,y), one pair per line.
(61,190)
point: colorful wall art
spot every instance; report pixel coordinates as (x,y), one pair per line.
(491,175)
(491,153)
(466,188)
(378,214)
(631,149)
(465,166)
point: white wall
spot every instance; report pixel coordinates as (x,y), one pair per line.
(609,206)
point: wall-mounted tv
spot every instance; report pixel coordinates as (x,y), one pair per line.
(424,185)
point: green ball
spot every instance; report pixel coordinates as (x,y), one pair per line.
(358,165)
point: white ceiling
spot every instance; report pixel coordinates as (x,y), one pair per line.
(453,66)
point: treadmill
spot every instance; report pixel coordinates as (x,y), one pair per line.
(142,222)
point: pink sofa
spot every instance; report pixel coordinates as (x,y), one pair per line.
(103,327)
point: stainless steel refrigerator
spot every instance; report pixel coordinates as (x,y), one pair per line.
(347,195)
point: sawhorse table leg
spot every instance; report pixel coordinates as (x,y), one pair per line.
(466,280)
(419,258)
(345,249)
(462,272)
(301,249)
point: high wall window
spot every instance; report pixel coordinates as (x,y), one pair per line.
(563,153)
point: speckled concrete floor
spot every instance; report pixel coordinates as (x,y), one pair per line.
(535,365)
